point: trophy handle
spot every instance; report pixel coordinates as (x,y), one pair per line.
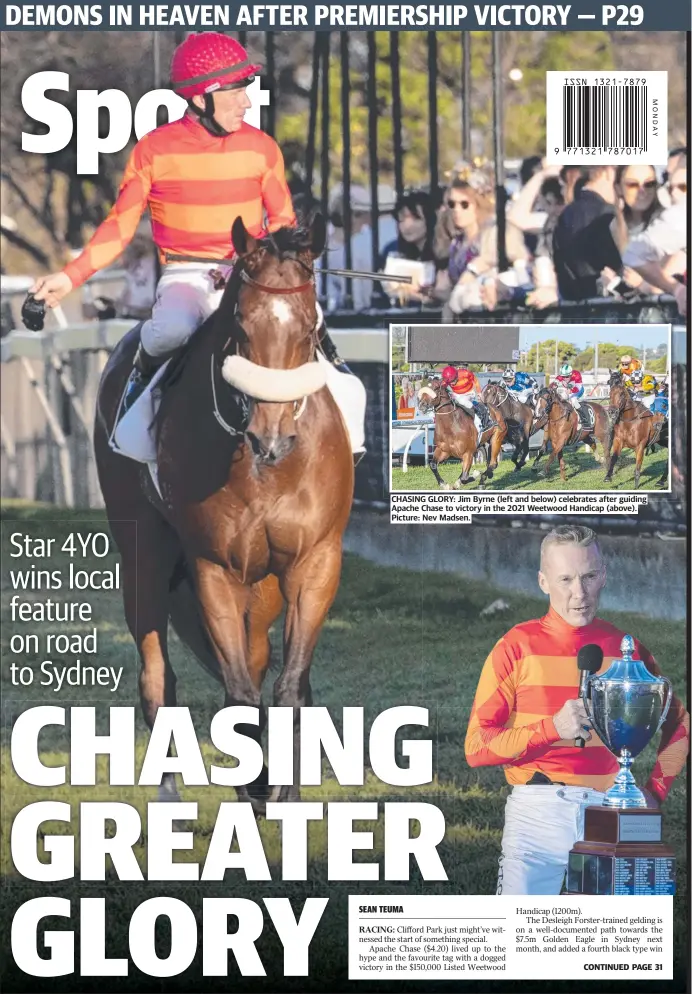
(669,699)
(586,697)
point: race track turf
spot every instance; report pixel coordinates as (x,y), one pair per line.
(581,469)
(393,637)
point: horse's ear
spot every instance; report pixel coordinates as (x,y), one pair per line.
(243,242)
(318,235)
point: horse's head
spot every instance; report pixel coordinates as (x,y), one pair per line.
(494,393)
(615,378)
(620,396)
(431,395)
(275,331)
(545,398)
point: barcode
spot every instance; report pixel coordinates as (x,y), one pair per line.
(604,117)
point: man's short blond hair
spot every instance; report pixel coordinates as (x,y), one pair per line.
(568,535)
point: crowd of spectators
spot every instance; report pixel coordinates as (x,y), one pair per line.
(571,233)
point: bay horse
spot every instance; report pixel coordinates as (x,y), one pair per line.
(631,426)
(456,435)
(518,416)
(256,494)
(562,426)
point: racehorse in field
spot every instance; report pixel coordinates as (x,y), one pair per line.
(562,426)
(519,418)
(456,435)
(631,426)
(256,492)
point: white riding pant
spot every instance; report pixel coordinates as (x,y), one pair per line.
(523,395)
(542,823)
(185,298)
(566,395)
(464,399)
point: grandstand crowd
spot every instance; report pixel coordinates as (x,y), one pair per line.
(572,233)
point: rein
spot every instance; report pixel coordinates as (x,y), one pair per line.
(298,406)
(279,290)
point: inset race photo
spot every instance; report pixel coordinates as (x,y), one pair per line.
(530,407)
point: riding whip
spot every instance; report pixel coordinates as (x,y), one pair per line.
(384,277)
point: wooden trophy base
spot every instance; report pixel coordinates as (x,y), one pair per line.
(622,853)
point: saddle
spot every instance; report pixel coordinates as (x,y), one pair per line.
(586,422)
(587,416)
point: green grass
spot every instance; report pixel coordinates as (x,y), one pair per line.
(582,471)
(390,639)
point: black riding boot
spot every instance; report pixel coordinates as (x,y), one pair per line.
(143,368)
(329,349)
(483,414)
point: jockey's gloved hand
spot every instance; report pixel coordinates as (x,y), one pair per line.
(33,313)
(105,308)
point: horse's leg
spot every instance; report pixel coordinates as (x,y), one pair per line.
(594,450)
(639,452)
(541,452)
(466,464)
(226,604)
(615,449)
(553,453)
(563,472)
(438,457)
(147,566)
(309,588)
(524,455)
(264,608)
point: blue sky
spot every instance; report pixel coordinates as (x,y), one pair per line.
(633,335)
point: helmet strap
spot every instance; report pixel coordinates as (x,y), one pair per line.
(206,116)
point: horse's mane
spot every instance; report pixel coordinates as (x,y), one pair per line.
(287,239)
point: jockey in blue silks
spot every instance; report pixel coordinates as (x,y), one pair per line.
(522,384)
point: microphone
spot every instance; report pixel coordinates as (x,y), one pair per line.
(589,659)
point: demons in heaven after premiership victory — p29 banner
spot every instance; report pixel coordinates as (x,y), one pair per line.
(345,497)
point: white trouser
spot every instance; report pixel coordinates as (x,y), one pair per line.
(564,393)
(185,297)
(542,823)
(523,395)
(648,399)
(465,400)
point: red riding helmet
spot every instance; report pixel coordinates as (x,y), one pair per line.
(209,61)
(449,375)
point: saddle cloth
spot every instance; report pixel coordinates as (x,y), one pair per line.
(135,436)
(587,416)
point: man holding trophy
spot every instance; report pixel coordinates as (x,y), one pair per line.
(555,704)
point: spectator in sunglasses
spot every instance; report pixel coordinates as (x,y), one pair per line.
(638,204)
(677,185)
(473,250)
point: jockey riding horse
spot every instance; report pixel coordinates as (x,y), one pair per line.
(196,175)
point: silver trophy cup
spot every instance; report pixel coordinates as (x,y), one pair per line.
(627,706)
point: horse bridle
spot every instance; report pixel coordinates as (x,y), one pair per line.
(283,291)
(554,400)
(298,407)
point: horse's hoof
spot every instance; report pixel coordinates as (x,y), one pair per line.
(445,486)
(457,485)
